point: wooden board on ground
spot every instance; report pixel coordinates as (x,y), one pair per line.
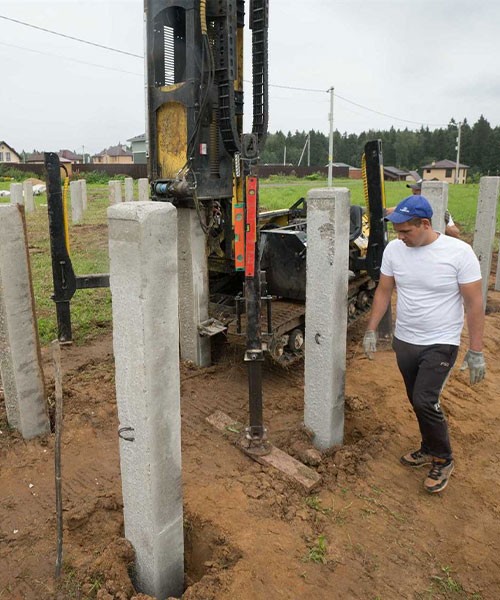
(289,466)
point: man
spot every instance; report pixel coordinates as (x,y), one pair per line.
(435,276)
(450,227)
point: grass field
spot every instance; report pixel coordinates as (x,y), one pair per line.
(91,309)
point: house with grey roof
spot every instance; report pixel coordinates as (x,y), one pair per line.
(445,170)
(138,144)
(114,155)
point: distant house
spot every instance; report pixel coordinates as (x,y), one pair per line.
(138,144)
(114,155)
(35,158)
(76,159)
(444,170)
(38,158)
(395,174)
(8,154)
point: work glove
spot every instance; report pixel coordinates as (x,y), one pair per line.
(477,366)
(370,343)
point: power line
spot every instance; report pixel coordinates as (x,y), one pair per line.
(71,37)
(285,87)
(82,62)
(389,116)
(315,90)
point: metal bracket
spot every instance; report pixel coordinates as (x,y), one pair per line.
(126,430)
(211,327)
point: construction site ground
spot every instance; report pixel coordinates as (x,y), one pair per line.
(368,532)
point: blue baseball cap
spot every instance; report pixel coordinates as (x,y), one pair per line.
(409,208)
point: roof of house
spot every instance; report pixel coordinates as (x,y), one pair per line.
(10,147)
(115,151)
(395,171)
(138,138)
(69,154)
(445,164)
(39,157)
(35,157)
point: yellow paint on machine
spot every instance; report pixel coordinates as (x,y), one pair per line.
(172,138)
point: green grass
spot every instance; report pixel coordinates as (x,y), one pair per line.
(91,309)
(462,199)
(318,552)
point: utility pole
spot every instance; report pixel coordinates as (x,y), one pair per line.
(307,145)
(330,144)
(284,156)
(457,166)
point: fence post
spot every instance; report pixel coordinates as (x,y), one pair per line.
(144,288)
(29,202)
(129,189)
(485,227)
(16,193)
(326,314)
(20,359)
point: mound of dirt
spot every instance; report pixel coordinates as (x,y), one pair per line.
(35,181)
(368,531)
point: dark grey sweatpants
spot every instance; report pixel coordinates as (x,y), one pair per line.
(425,370)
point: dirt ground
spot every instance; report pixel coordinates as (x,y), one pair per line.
(370,531)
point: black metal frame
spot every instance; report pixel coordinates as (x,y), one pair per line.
(378,227)
(65,281)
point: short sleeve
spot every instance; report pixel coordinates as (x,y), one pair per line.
(469,269)
(387,265)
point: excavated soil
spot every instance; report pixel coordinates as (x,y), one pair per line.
(369,531)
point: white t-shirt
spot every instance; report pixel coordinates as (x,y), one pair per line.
(429,304)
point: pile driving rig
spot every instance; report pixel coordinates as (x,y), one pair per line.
(200,159)
(198,156)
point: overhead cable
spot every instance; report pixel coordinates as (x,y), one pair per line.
(82,62)
(285,87)
(70,37)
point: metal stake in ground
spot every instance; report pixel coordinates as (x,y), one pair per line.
(56,355)
(254,355)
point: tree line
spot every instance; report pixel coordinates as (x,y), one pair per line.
(402,148)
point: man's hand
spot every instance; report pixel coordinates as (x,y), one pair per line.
(477,366)
(370,343)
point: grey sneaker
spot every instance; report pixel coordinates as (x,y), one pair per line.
(416,459)
(439,475)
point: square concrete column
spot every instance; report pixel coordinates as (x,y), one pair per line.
(16,193)
(20,361)
(115,192)
(437,194)
(328,218)
(83,186)
(76,202)
(29,201)
(485,227)
(143,186)
(129,189)
(193,288)
(144,288)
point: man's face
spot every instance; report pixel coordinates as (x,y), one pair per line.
(413,235)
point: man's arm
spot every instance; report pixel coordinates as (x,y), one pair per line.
(381,301)
(472,294)
(452,231)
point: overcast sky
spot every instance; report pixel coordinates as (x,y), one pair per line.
(416,61)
